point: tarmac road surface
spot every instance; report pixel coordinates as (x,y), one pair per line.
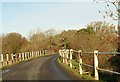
(42,68)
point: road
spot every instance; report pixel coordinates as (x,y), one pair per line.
(42,68)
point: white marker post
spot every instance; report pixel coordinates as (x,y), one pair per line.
(7,56)
(63,56)
(23,56)
(12,58)
(40,52)
(71,53)
(67,54)
(80,61)
(19,56)
(96,65)
(1,60)
(32,53)
(37,53)
(59,53)
(28,55)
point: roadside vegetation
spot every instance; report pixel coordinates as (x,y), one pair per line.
(97,35)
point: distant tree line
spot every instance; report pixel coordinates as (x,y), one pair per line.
(97,36)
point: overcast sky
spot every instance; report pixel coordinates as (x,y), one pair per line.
(25,15)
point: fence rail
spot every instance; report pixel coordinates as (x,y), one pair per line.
(67,57)
(8,59)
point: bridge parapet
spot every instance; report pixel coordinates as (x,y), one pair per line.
(8,59)
(66,55)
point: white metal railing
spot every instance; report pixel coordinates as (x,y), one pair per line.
(8,59)
(66,55)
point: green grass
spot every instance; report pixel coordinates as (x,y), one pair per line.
(74,71)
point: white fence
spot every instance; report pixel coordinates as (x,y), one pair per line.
(67,57)
(8,59)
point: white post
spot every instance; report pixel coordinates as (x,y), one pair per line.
(67,53)
(37,53)
(45,52)
(63,53)
(59,53)
(12,58)
(71,53)
(25,55)
(15,56)
(32,53)
(2,58)
(22,56)
(80,61)
(7,56)
(19,56)
(40,52)
(96,65)
(28,55)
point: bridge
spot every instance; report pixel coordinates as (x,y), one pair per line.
(37,65)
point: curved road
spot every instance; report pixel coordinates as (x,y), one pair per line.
(42,68)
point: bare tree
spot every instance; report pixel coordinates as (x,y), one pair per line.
(109,12)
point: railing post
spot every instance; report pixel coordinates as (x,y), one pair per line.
(19,56)
(32,53)
(22,56)
(25,56)
(7,56)
(43,53)
(1,60)
(12,58)
(71,53)
(63,56)
(15,57)
(96,65)
(80,61)
(40,52)
(28,55)
(67,54)
(59,53)
(36,53)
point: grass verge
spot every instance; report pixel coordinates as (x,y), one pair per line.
(75,72)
